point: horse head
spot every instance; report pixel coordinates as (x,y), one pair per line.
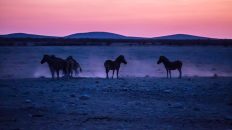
(45,59)
(121,59)
(161,59)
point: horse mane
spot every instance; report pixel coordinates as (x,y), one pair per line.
(47,58)
(164,58)
(119,58)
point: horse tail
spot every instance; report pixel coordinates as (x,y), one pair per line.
(181,64)
(80,68)
(107,64)
(76,72)
(77,66)
(65,69)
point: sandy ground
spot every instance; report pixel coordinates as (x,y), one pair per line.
(24,62)
(127,103)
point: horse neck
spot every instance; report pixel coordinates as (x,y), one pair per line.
(166,62)
(49,61)
(118,61)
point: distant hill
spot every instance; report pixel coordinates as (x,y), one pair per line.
(97,35)
(108,39)
(105,35)
(24,35)
(181,37)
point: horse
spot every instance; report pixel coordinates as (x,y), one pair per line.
(170,65)
(72,65)
(55,64)
(114,65)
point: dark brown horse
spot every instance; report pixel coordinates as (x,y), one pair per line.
(72,65)
(114,65)
(55,64)
(170,65)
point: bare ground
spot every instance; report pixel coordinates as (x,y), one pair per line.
(127,103)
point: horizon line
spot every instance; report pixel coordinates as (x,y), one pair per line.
(114,33)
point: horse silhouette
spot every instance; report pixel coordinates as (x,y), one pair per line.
(170,65)
(114,65)
(55,64)
(72,65)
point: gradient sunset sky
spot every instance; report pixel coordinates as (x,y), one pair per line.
(149,18)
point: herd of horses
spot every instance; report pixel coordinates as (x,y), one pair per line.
(70,66)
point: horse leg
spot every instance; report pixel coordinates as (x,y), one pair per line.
(67,73)
(53,73)
(170,74)
(167,73)
(64,72)
(58,74)
(113,74)
(107,71)
(180,73)
(117,73)
(71,75)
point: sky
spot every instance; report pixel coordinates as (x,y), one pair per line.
(147,18)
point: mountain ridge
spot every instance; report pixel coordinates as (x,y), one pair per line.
(106,35)
(182,37)
(100,35)
(25,35)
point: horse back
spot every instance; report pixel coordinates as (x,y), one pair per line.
(58,63)
(179,63)
(176,64)
(109,64)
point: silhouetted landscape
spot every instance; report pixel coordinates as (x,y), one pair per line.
(140,98)
(107,39)
(116,65)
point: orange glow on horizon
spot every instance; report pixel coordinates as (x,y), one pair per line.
(148,18)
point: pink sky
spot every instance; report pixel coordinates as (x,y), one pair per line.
(147,18)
